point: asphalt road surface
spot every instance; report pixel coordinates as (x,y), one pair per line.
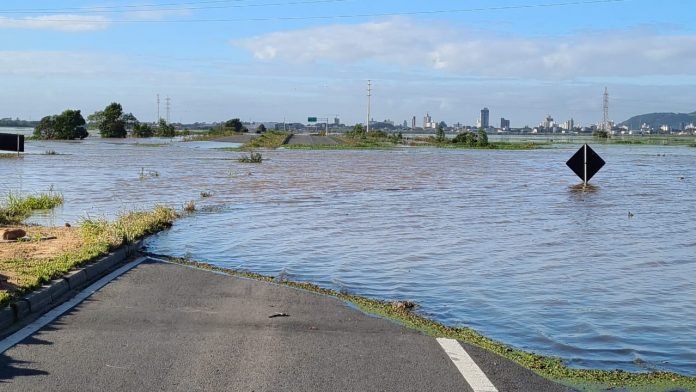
(166,327)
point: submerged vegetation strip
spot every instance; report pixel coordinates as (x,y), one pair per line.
(549,367)
(98,238)
(18,208)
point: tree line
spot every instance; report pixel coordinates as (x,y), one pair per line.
(112,122)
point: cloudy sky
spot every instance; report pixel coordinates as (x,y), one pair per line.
(270,60)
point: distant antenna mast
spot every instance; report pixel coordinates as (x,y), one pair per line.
(605,124)
(169,101)
(369,98)
(158,108)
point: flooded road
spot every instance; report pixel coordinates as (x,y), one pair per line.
(493,240)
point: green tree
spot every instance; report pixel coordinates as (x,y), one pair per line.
(142,130)
(440,134)
(261,129)
(164,129)
(235,125)
(466,138)
(129,121)
(358,132)
(482,138)
(69,125)
(112,124)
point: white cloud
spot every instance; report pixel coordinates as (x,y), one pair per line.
(404,42)
(67,23)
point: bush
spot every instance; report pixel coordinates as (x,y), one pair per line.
(254,157)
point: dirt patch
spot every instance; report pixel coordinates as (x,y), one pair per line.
(66,239)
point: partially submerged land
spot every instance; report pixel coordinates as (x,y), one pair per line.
(46,253)
(29,263)
(359,139)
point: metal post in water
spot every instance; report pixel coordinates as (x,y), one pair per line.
(584,178)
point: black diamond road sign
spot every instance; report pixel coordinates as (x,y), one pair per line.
(10,142)
(585,163)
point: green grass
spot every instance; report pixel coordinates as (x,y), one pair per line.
(271,139)
(17,208)
(253,157)
(9,156)
(692,145)
(548,367)
(99,238)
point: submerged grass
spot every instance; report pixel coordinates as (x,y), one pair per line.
(253,157)
(549,367)
(17,208)
(267,140)
(99,237)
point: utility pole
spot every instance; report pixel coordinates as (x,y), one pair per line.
(605,125)
(369,97)
(169,101)
(158,109)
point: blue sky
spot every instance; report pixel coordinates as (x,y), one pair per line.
(269,60)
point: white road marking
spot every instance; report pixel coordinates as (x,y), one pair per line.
(42,321)
(473,375)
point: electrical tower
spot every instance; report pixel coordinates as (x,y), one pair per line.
(158,109)
(369,97)
(605,124)
(169,101)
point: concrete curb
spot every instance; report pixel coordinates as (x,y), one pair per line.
(53,294)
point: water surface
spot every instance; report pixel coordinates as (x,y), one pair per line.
(493,240)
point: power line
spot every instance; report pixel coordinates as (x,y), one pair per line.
(126,6)
(133,8)
(351,16)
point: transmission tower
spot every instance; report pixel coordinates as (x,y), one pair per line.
(158,108)
(605,124)
(369,98)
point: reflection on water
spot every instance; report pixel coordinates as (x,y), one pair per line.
(494,240)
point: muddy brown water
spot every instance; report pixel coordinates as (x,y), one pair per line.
(495,240)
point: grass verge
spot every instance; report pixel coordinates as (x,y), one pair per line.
(98,237)
(548,367)
(18,208)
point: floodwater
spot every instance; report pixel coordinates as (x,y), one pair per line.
(494,240)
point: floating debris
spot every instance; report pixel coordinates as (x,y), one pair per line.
(403,305)
(274,315)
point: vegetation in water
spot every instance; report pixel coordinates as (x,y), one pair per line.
(272,139)
(98,237)
(549,367)
(18,208)
(253,157)
(190,207)
(68,125)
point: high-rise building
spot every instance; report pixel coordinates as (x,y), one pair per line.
(548,122)
(504,124)
(405,124)
(428,122)
(413,122)
(485,118)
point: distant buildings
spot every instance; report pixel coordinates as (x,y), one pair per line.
(548,122)
(413,122)
(504,124)
(428,122)
(484,120)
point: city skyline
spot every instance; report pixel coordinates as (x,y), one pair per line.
(265,62)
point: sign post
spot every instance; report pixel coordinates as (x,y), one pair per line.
(585,163)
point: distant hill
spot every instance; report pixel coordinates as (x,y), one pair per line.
(656,120)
